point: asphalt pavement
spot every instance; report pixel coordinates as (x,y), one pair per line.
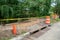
(52,34)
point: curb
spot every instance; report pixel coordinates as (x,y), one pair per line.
(20,37)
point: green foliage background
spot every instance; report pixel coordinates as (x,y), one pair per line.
(24,8)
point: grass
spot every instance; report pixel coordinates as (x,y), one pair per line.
(7,21)
(23,32)
(3,38)
(55,20)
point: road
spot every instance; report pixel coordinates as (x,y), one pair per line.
(52,34)
(37,34)
(49,33)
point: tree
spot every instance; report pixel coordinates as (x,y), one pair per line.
(57,7)
(47,6)
(6,11)
(24,8)
(7,8)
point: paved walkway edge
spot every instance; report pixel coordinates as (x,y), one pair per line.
(20,36)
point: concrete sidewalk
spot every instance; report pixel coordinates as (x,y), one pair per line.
(53,34)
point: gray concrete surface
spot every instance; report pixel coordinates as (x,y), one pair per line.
(52,34)
(32,28)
